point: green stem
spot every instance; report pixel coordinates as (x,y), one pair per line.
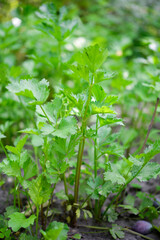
(81,149)
(150,125)
(95,166)
(18,197)
(80,153)
(46,115)
(124,229)
(95,149)
(42,217)
(15,193)
(4,150)
(81,206)
(36,157)
(59,57)
(136,233)
(49,204)
(65,184)
(37,215)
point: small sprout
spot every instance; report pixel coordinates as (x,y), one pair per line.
(142,227)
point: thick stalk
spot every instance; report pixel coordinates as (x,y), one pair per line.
(37,215)
(78,169)
(65,184)
(95,149)
(150,125)
(80,154)
(49,205)
(95,166)
(42,217)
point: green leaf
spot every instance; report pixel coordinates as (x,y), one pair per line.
(98,93)
(151,151)
(11,168)
(37,140)
(39,190)
(51,109)
(24,236)
(156,87)
(151,170)
(17,150)
(110,120)
(78,213)
(146,201)
(56,231)
(80,71)
(112,215)
(103,109)
(93,188)
(21,143)
(103,76)
(67,126)
(128,135)
(10,210)
(130,208)
(61,195)
(116,231)
(76,236)
(8,233)
(30,169)
(92,57)
(130,200)
(30,131)
(36,90)
(47,129)
(108,187)
(149,213)
(1,235)
(111,99)
(12,149)
(18,220)
(114,177)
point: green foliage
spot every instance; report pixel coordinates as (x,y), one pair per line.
(39,190)
(37,91)
(116,231)
(71,115)
(56,231)
(66,127)
(93,57)
(17,150)
(18,220)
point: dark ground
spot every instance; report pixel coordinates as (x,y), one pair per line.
(89,234)
(6,199)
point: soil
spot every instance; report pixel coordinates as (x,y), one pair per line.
(86,233)
(6,199)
